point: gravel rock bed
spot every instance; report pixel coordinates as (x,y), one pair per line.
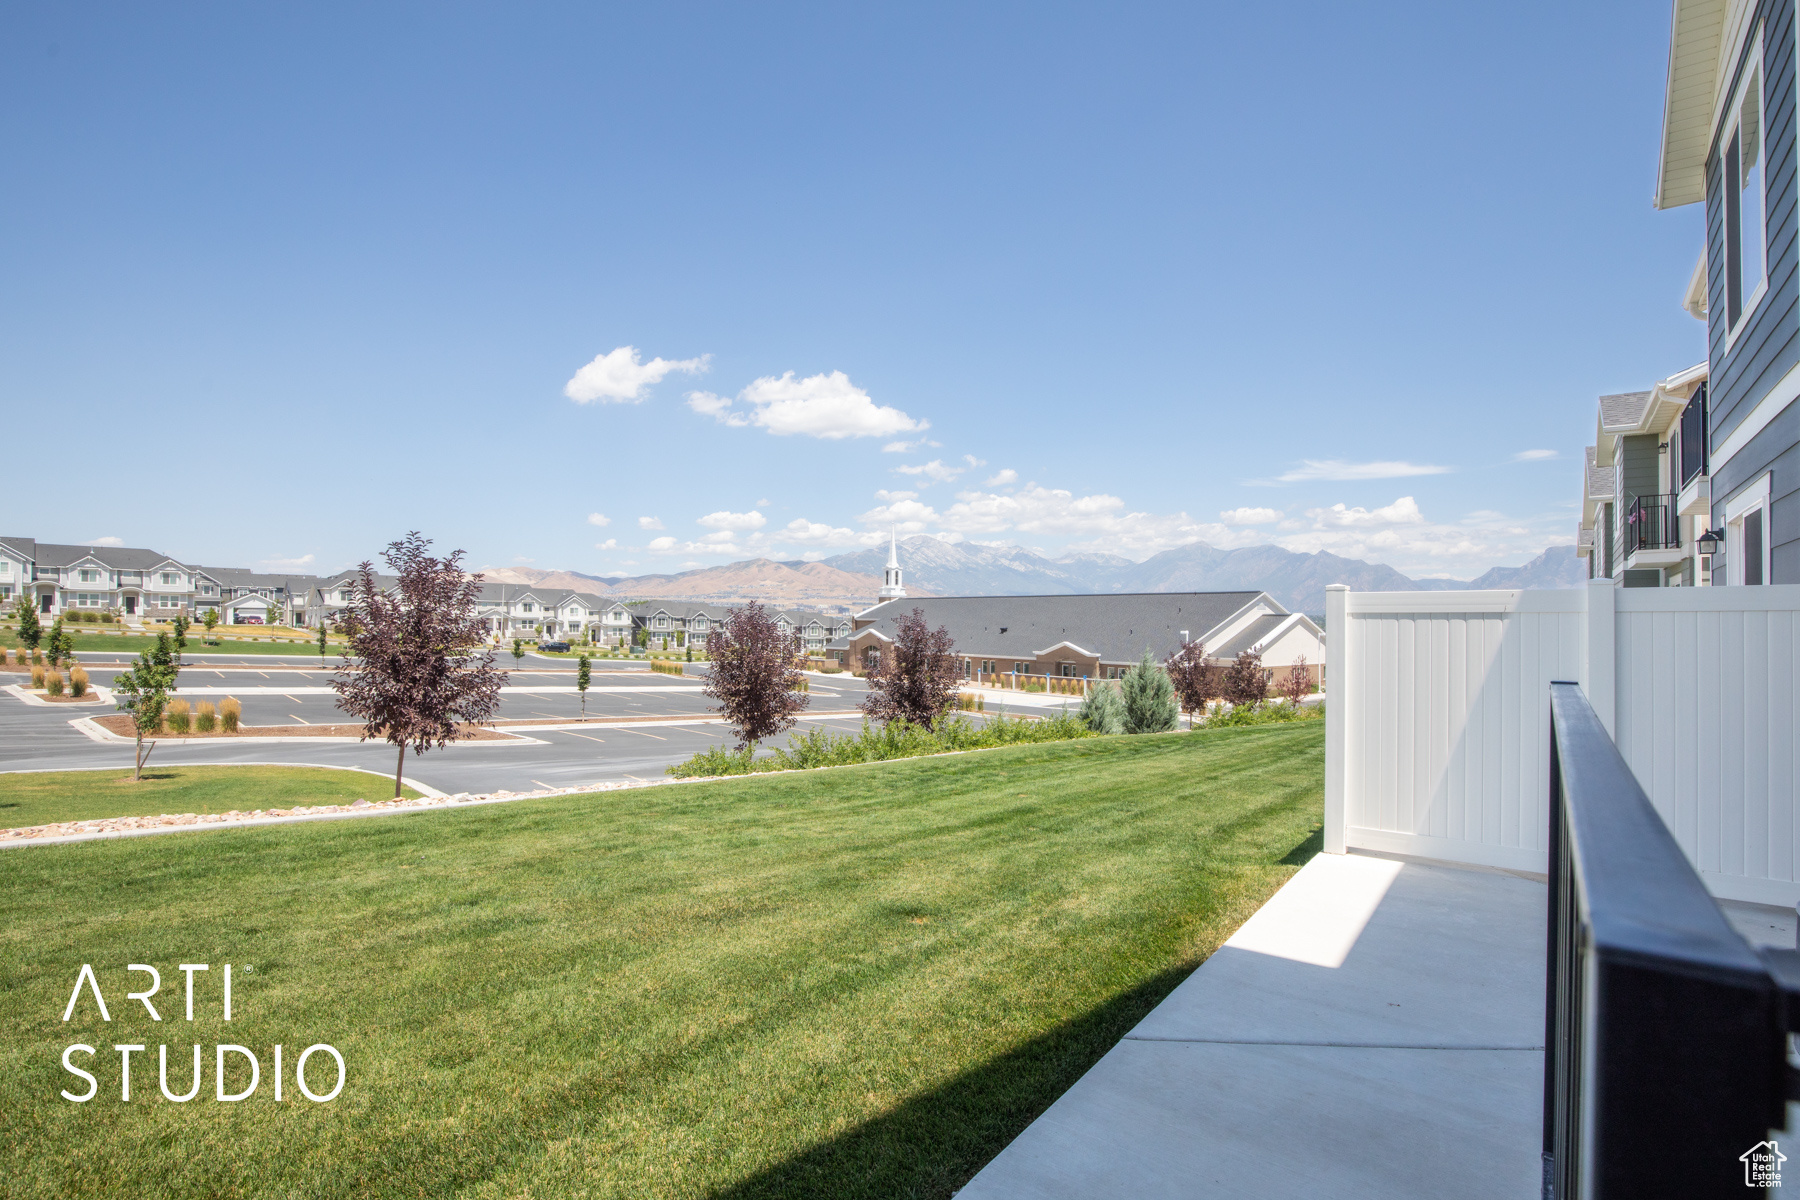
(105,825)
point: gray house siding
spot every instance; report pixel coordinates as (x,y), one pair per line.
(1769,345)
(1776,449)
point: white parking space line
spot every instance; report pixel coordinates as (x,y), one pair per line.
(641,733)
(590,737)
(295,699)
(302,720)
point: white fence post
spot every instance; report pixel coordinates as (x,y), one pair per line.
(1600,652)
(1337,711)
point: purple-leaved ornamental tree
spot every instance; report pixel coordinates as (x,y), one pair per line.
(917,677)
(755,674)
(1196,680)
(411,672)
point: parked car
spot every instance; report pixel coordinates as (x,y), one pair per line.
(560,647)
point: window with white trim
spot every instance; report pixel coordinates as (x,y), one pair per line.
(1747,535)
(170,579)
(87,575)
(89,600)
(1746,208)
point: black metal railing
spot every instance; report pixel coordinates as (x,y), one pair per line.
(1652,523)
(1693,437)
(1665,1033)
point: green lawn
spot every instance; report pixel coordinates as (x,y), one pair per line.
(134,643)
(40,797)
(846,983)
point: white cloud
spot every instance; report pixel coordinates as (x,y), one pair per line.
(908,516)
(608,544)
(618,376)
(1534,455)
(600,519)
(521,559)
(762,504)
(1337,470)
(1100,519)
(935,470)
(822,406)
(908,447)
(1250,516)
(717,407)
(1005,477)
(734,521)
(117,541)
(662,543)
(1404,511)
(973,461)
(291,564)
(817,533)
(887,497)
(1403,537)
(649,523)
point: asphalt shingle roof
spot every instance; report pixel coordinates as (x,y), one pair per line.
(1623,410)
(1116,627)
(1252,633)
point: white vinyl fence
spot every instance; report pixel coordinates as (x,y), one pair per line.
(1438,720)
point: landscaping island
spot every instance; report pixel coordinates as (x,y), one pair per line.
(854,982)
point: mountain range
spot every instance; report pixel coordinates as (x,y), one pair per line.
(936,568)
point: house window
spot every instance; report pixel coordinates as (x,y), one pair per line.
(1746,232)
(1747,534)
(88,600)
(1066,670)
(5,568)
(86,575)
(1020,668)
(662,622)
(168,601)
(206,589)
(5,591)
(170,579)
(526,607)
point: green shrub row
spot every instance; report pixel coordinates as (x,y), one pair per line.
(1262,714)
(819,747)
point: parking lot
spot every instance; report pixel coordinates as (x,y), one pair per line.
(654,721)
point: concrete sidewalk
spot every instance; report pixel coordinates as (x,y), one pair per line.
(1375,1030)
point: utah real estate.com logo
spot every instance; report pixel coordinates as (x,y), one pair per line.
(1762,1165)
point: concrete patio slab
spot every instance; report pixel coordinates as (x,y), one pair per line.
(1364,951)
(1375,1030)
(1205,1119)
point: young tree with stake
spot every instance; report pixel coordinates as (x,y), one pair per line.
(181,625)
(322,635)
(518,651)
(210,619)
(755,671)
(416,678)
(143,691)
(584,675)
(916,680)
(31,630)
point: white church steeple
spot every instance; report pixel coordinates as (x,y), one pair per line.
(890,578)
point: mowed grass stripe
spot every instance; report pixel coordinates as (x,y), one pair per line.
(843,983)
(30,798)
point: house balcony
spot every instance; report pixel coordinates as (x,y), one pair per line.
(1653,532)
(1695,497)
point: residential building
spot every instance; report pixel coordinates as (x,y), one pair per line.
(1644,498)
(1728,143)
(690,624)
(1092,637)
(137,583)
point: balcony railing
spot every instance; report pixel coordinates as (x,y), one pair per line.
(1652,523)
(1693,437)
(1665,1033)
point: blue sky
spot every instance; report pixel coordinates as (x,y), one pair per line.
(280,285)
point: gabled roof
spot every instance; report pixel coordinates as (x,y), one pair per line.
(1115,627)
(1260,632)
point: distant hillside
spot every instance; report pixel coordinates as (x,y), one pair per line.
(1556,567)
(936,568)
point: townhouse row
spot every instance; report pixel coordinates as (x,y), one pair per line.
(1697,481)
(140,584)
(509,611)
